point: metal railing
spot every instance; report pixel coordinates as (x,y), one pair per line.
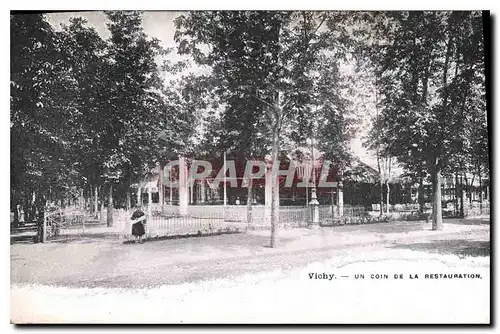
(169,221)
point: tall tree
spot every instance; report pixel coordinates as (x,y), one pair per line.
(90,113)
(423,125)
(85,51)
(133,104)
(41,92)
(261,56)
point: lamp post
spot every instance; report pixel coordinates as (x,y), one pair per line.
(313,204)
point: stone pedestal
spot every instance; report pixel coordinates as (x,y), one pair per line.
(314,210)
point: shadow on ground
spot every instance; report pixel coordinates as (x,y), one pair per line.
(390,227)
(475,221)
(461,247)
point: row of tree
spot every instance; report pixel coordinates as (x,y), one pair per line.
(90,115)
(277,76)
(428,72)
(278,73)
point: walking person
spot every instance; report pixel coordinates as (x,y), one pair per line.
(138,227)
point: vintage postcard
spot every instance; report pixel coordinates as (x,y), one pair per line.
(250,167)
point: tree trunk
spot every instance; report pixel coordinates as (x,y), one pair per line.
(249,203)
(480,194)
(457,195)
(381,186)
(27,210)
(81,201)
(40,209)
(471,189)
(129,201)
(14,208)
(274,169)
(90,203)
(437,213)
(110,206)
(96,202)
(31,207)
(420,196)
(16,215)
(102,214)
(437,221)
(387,195)
(381,211)
(102,206)
(86,203)
(461,197)
(467,188)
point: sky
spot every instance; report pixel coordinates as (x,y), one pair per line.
(155,24)
(160,24)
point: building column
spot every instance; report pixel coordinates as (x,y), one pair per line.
(139,200)
(191,193)
(170,196)
(202,191)
(170,186)
(161,187)
(340,199)
(183,187)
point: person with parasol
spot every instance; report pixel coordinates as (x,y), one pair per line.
(138,224)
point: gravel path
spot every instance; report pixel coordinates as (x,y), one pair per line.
(101,264)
